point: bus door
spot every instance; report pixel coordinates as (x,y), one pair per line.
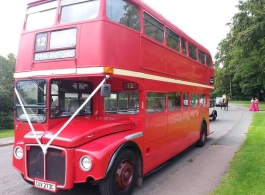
(194,118)
(156,146)
(186,120)
(175,129)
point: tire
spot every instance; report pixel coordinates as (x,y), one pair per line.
(214,115)
(122,177)
(29,182)
(203,135)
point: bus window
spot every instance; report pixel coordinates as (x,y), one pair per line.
(174,101)
(183,46)
(122,103)
(201,57)
(173,40)
(185,101)
(73,11)
(155,102)
(68,96)
(153,28)
(192,51)
(45,13)
(202,100)
(194,100)
(33,97)
(208,61)
(123,13)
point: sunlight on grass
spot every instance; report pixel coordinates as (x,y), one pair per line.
(246,173)
(6,133)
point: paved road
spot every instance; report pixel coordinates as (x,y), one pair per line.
(178,176)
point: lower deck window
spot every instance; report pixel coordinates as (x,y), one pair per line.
(122,103)
(155,102)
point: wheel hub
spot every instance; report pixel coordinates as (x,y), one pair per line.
(124,175)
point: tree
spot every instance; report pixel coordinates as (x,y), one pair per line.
(241,55)
(7,68)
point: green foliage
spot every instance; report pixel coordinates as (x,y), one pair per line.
(240,61)
(7,68)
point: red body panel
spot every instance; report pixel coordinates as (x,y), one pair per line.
(135,57)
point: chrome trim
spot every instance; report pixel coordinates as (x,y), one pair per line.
(81,165)
(134,136)
(55,147)
(14,152)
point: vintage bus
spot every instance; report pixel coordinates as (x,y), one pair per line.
(105,92)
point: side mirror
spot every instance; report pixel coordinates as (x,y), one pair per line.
(105,90)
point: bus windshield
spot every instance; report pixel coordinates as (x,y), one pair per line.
(67,96)
(41,16)
(122,103)
(32,94)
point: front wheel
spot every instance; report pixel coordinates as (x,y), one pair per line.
(122,176)
(203,134)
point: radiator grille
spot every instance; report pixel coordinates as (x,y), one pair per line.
(54,161)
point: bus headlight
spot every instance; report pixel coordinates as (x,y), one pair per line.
(18,152)
(85,163)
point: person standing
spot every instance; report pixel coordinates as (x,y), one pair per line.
(252,108)
(256,104)
(224,98)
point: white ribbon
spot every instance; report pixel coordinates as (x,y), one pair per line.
(44,147)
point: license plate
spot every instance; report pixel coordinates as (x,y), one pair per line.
(49,186)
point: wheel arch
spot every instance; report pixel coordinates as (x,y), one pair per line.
(136,149)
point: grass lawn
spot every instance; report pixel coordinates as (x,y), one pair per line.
(246,171)
(6,133)
(247,104)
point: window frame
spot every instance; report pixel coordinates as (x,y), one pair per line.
(175,36)
(159,29)
(192,51)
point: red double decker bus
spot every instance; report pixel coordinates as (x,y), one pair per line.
(106,91)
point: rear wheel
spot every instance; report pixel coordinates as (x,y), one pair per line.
(122,176)
(203,135)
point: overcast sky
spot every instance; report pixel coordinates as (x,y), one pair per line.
(204,20)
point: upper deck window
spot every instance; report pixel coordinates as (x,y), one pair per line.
(183,46)
(173,40)
(208,61)
(123,13)
(78,10)
(153,28)
(202,57)
(192,51)
(41,16)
